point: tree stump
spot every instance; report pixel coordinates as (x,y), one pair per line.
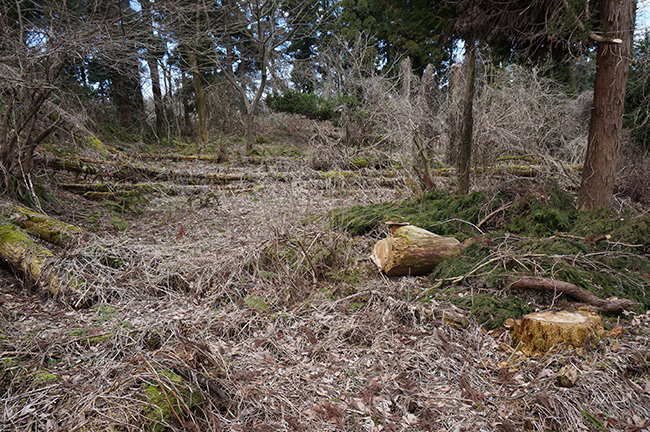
(413,251)
(538,332)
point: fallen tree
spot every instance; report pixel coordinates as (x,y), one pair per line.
(49,229)
(580,294)
(516,170)
(133,172)
(179,157)
(33,260)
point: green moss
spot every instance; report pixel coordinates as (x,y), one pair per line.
(119,223)
(176,399)
(104,311)
(359,162)
(437,211)
(490,310)
(255,303)
(42,375)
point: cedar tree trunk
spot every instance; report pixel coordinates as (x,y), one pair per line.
(612,65)
(147,10)
(157,93)
(465,144)
(200,99)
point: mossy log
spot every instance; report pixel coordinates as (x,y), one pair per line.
(27,256)
(179,157)
(580,294)
(134,172)
(413,251)
(538,332)
(516,170)
(49,229)
(71,165)
(131,172)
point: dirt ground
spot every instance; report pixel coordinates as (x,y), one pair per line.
(236,308)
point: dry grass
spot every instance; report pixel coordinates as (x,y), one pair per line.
(245,313)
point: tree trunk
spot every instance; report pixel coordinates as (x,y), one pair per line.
(200,99)
(612,65)
(465,144)
(250,130)
(187,120)
(147,10)
(157,94)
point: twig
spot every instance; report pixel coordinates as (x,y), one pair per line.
(500,209)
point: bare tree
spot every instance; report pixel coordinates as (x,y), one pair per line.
(240,40)
(466,135)
(37,40)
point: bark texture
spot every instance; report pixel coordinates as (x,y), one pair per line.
(612,65)
(465,144)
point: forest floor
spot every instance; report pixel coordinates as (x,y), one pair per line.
(240,307)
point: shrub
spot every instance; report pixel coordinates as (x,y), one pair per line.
(308,104)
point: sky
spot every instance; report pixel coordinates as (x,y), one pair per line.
(642,16)
(642,24)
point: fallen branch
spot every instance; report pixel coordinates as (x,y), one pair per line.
(567,288)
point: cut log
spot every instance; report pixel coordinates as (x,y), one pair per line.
(538,332)
(413,251)
(601,305)
(49,229)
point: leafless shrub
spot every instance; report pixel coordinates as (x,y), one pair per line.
(520,116)
(633,177)
(382,113)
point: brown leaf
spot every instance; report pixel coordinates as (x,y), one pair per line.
(615,332)
(181,233)
(331,412)
(469,393)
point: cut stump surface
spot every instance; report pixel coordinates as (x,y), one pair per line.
(537,333)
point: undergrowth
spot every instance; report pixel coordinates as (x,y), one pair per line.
(537,233)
